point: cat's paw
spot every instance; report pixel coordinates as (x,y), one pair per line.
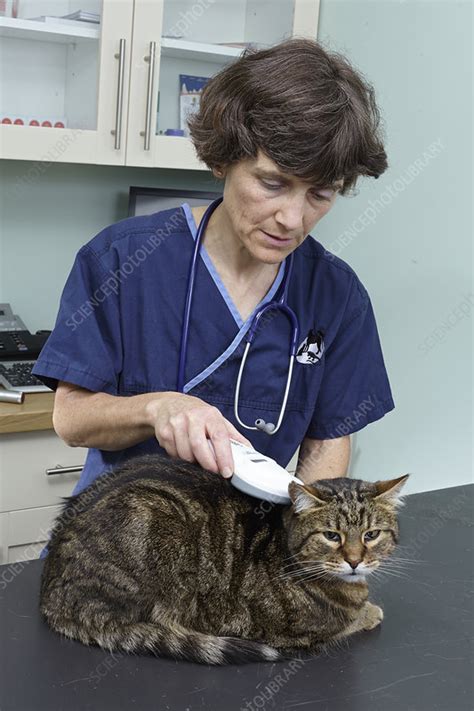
(372,616)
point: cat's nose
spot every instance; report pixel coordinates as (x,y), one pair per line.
(353,562)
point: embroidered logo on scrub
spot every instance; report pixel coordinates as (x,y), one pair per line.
(312,349)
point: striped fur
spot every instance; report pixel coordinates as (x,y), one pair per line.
(163,557)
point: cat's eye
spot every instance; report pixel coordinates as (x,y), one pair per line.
(372,535)
(331,535)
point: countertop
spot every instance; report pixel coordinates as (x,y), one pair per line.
(419,659)
(35,413)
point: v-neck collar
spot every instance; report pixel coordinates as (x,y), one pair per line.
(218,281)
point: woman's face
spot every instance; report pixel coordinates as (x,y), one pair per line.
(271,212)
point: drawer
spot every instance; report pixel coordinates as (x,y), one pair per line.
(31,525)
(24,459)
(17,554)
(25,533)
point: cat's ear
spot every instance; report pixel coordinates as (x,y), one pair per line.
(389,490)
(303,497)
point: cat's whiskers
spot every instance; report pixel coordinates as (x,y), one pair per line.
(289,565)
(294,562)
(415,560)
(293,555)
(405,561)
(397,564)
(309,578)
(379,578)
(300,571)
(393,573)
(312,572)
(301,562)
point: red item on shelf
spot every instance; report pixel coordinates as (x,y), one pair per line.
(20,120)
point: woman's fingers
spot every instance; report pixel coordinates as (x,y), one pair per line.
(235,434)
(210,443)
(166,440)
(190,436)
(194,431)
(202,452)
(179,424)
(220,441)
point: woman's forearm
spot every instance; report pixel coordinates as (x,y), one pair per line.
(323,458)
(109,422)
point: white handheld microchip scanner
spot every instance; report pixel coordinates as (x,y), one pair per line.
(259,476)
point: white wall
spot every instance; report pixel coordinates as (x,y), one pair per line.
(49,211)
(415,258)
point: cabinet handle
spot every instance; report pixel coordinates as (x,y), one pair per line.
(117,132)
(149,94)
(58,469)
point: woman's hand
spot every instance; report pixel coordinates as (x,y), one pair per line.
(183,425)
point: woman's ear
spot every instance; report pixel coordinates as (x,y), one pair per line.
(219,172)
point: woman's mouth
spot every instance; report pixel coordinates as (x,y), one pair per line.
(277,241)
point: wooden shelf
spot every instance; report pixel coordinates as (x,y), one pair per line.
(35,413)
(60,32)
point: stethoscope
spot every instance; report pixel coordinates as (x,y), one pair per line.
(276,305)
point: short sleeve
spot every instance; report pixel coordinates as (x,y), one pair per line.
(355,389)
(84,347)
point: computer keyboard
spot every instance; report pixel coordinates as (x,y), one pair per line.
(17,375)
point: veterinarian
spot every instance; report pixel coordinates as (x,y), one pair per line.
(287,130)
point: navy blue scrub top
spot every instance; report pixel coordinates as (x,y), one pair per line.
(118,331)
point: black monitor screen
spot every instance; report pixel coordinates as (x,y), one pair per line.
(145,201)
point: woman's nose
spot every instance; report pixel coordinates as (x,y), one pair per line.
(290,216)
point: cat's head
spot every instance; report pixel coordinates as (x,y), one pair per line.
(343,527)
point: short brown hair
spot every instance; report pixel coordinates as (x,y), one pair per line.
(306,108)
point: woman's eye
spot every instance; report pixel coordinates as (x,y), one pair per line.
(324,195)
(271,186)
(332,535)
(371,535)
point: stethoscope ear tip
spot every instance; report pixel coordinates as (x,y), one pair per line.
(267,427)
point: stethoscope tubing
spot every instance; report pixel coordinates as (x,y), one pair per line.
(190,292)
(280,305)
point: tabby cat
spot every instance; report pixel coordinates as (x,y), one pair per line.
(161,556)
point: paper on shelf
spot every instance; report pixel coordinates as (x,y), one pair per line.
(54,20)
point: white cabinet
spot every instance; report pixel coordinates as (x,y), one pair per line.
(36,470)
(70,73)
(115,85)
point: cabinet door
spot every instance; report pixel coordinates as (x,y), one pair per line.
(64,82)
(24,533)
(37,469)
(177,46)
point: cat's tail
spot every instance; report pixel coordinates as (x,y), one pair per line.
(170,639)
